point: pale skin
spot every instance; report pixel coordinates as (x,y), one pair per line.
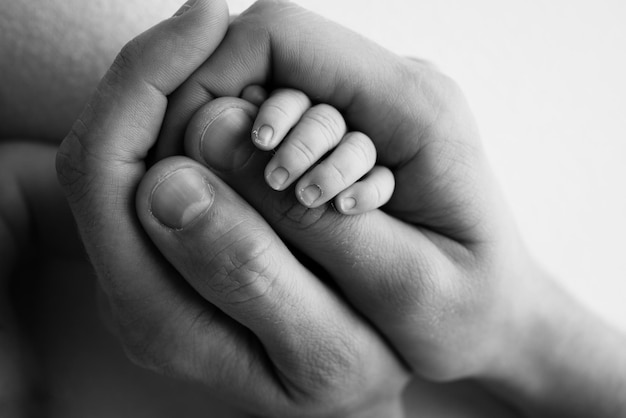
(301,135)
(477,286)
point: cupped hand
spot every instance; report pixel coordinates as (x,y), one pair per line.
(440,272)
(222,301)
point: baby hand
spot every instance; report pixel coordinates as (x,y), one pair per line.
(314,149)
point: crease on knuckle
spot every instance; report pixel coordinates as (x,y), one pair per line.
(131,58)
(72,171)
(329,121)
(277,106)
(296,216)
(303,151)
(244,270)
(361,148)
(287,98)
(337,173)
(125,59)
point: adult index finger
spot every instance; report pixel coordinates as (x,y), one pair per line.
(280,44)
(100,162)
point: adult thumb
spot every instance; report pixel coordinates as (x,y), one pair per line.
(101,161)
(278,43)
(349,248)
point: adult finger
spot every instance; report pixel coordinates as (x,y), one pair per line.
(351,74)
(416,117)
(399,276)
(303,339)
(100,164)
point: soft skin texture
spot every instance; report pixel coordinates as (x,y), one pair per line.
(443,275)
(438,270)
(251,333)
(447,270)
(301,136)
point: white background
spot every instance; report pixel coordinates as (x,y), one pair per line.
(547,83)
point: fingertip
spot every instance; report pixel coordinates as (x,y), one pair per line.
(218,134)
(311,195)
(263,137)
(180,198)
(174,193)
(278,114)
(277,177)
(370,193)
(166,55)
(346,205)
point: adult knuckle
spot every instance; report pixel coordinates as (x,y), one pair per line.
(127,57)
(297,216)
(72,172)
(243,272)
(439,90)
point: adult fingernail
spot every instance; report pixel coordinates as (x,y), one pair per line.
(225,143)
(277,178)
(185,7)
(263,135)
(180,198)
(310,194)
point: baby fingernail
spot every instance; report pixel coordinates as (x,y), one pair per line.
(263,135)
(180,198)
(346,204)
(277,178)
(310,194)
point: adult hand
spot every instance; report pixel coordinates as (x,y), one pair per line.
(255,326)
(429,271)
(442,273)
